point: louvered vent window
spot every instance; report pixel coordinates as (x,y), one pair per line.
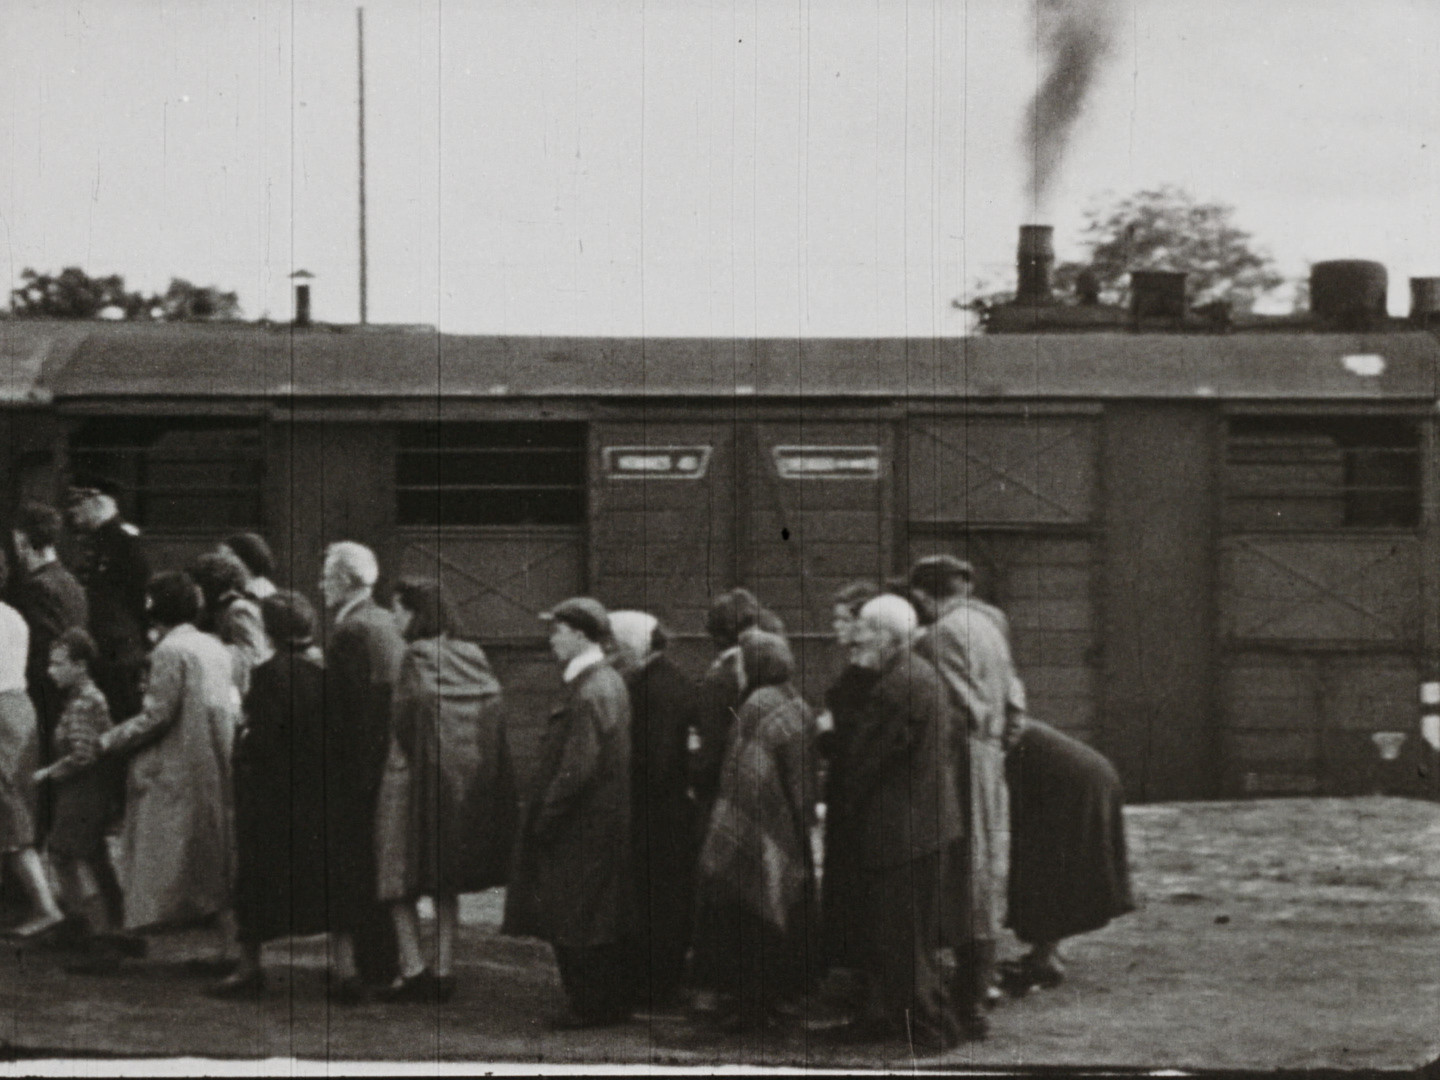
(1322,473)
(503,473)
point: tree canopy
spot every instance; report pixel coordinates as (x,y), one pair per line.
(1167,228)
(74,294)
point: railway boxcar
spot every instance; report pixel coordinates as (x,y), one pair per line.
(1218,551)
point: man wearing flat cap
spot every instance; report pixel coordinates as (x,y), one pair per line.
(969,644)
(115,572)
(571,885)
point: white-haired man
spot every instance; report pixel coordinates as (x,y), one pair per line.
(899,789)
(361,663)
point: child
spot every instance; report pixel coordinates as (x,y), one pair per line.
(83,792)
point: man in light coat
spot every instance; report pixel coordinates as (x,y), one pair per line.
(969,644)
(572,883)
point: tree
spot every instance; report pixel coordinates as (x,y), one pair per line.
(1165,228)
(74,294)
(183,302)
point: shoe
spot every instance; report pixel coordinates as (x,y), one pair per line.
(238,987)
(132,946)
(444,988)
(37,927)
(974,1027)
(418,988)
(573,1021)
(210,966)
(100,962)
(348,991)
(992,996)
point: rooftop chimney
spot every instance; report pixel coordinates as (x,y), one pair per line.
(302,296)
(1425,301)
(1157,295)
(1034,259)
(1348,294)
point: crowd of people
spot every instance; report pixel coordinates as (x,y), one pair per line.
(718,845)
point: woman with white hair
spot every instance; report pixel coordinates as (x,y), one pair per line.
(898,788)
(664,706)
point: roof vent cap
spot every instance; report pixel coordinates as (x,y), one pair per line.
(1348,294)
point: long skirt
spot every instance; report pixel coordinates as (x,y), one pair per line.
(19,758)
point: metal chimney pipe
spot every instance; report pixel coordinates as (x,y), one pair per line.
(1425,300)
(1034,259)
(302,305)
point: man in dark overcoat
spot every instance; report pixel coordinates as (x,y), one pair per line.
(664,831)
(115,573)
(362,660)
(899,791)
(572,883)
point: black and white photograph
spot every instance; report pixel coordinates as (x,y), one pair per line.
(711,535)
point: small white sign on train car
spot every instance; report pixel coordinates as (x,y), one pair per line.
(656,462)
(827,462)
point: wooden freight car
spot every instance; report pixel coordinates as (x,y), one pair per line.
(1218,551)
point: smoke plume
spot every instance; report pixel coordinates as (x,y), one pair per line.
(1073,38)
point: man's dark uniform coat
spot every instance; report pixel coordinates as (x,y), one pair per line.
(115,573)
(362,661)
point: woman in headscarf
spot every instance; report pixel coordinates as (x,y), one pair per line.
(721,691)
(755,866)
(663,826)
(843,703)
(448,805)
(281,879)
(229,614)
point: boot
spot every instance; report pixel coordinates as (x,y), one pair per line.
(970,988)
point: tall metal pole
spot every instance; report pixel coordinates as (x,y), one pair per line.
(360,49)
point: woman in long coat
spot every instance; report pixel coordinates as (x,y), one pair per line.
(179,821)
(1069,873)
(446,818)
(281,877)
(663,826)
(755,866)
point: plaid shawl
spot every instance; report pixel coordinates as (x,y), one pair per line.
(756,853)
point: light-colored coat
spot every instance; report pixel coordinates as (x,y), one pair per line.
(179,813)
(969,644)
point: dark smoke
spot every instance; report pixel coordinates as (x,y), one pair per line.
(1073,37)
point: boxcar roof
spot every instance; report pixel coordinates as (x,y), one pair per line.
(252,361)
(30,351)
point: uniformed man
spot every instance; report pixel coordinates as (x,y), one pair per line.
(115,573)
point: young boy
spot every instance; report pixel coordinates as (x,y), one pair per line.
(83,792)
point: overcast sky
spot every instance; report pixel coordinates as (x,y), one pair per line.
(822,167)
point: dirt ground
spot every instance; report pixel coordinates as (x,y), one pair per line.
(1298,933)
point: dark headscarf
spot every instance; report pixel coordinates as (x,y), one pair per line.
(767,658)
(737,611)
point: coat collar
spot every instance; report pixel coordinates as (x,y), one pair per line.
(583,662)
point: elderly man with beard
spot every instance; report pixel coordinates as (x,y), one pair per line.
(362,663)
(898,787)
